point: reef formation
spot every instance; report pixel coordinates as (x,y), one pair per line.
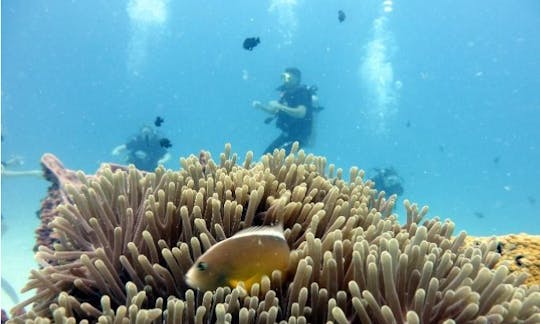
(519,252)
(124,240)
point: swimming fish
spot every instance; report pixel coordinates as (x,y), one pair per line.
(251,42)
(341,16)
(158,121)
(245,256)
(165,142)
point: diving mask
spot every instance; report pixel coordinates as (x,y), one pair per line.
(286,77)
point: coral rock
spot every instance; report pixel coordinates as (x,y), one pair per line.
(519,252)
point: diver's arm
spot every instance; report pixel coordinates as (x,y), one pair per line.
(165,158)
(267,108)
(120,149)
(10,173)
(296,112)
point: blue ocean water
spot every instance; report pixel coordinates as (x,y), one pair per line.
(446,92)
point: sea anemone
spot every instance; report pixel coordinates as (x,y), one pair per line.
(127,238)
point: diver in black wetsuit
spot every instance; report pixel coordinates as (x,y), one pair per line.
(146,150)
(388,180)
(294,111)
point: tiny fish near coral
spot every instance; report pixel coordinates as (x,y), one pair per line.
(159,120)
(165,142)
(250,43)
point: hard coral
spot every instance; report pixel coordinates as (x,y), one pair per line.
(519,252)
(58,176)
(127,238)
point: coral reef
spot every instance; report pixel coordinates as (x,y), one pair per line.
(58,176)
(4,316)
(127,238)
(519,252)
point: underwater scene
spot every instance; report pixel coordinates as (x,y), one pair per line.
(288,161)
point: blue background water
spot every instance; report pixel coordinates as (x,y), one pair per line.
(447,92)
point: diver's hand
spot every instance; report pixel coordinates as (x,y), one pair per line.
(120,149)
(274,106)
(272,109)
(257,104)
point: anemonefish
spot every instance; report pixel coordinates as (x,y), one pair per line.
(244,257)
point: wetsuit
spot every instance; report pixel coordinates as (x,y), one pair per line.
(293,129)
(145,151)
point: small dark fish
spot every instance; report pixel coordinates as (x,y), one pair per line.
(203,160)
(158,121)
(479,214)
(341,16)
(165,142)
(408,124)
(496,159)
(500,246)
(531,200)
(251,42)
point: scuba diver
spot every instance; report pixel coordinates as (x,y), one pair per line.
(388,180)
(146,150)
(293,111)
(15,162)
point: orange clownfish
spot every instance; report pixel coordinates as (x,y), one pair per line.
(244,257)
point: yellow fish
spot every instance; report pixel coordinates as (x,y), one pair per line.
(246,256)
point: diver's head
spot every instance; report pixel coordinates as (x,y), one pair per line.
(291,77)
(146,130)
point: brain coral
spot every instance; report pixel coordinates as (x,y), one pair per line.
(126,239)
